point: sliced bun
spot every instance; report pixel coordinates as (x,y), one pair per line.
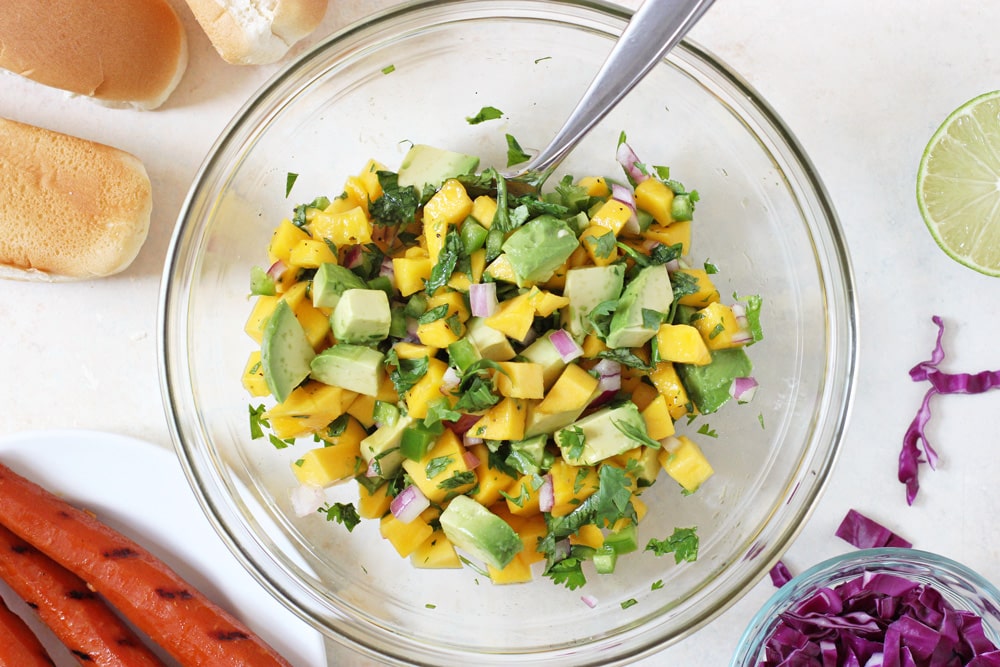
(69,208)
(122,52)
(256,32)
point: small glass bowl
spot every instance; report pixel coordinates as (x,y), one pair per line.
(963,588)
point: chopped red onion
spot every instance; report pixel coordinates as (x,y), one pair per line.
(609,381)
(469,440)
(408,505)
(567,348)
(630,163)
(589,600)
(373,469)
(743,389)
(471,460)
(624,195)
(352,256)
(449,380)
(483,299)
(275,270)
(864,533)
(463,424)
(546,497)
(387,271)
(306,499)
(608,368)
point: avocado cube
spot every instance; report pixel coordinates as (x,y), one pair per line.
(600,435)
(426,165)
(539,247)
(478,531)
(361,316)
(353,367)
(586,288)
(330,281)
(649,293)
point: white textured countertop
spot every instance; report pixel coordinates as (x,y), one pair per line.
(862,84)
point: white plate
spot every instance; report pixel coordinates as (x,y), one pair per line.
(140,490)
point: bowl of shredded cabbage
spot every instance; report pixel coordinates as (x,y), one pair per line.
(878,607)
(449,423)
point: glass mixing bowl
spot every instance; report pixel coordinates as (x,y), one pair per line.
(962,588)
(414,74)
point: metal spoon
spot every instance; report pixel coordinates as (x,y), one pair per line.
(655,28)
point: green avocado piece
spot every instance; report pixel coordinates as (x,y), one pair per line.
(650,290)
(332,280)
(545,354)
(602,435)
(539,247)
(473,528)
(586,288)
(426,165)
(383,447)
(352,367)
(708,386)
(285,352)
(361,316)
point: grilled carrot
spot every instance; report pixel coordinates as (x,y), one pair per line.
(189,626)
(75,614)
(19,647)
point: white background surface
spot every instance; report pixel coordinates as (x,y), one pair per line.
(862,84)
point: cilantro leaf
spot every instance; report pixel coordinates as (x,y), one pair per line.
(342,513)
(603,245)
(438,411)
(397,205)
(612,501)
(754,303)
(683,544)
(515,154)
(299,214)
(568,572)
(458,479)
(635,434)
(447,260)
(572,439)
(705,429)
(437,465)
(406,372)
(258,422)
(477,395)
(683,284)
(290,179)
(599,317)
(433,314)
(485,114)
(626,357)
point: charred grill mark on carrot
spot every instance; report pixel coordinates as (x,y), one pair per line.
(174,595)
(19,647)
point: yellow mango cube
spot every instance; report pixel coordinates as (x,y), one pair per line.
(501,269)
(546,302)
(654,197)
(427,389)
(718,327)
(284,238)
(503,421)
(443,471)
(520,379)
(595,186)
(706,292)
(406,350)
(601,251)
(373,504)
(350,227)
(308,407)
(261,312)
(642,393)
(310,253)
(448,206)
(439,333)
(682,343)
(531,529)
(253,376)
(571,392)
(588,535)
(517,571)
(484,208)
(368,178)
(351,435)
(668,383)
(411,273)
(404,537)
(672,234)
(684,461)
(455,301)
(592,346)
(571,485)
(514,317)
(612,215)
(659,424)
(491,481)
(326,466)
(314,322)
(436,552)
(523,496)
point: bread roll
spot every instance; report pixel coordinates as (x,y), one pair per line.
(256,32)
(122,52)
(69,208)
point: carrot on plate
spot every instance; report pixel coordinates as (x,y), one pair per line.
(75,614)
(175,615)
(19,647)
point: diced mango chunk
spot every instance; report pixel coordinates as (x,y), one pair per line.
(718,327)
(404,537)
(520,379)
(704,294)
(654,197)
(436,552)
(682,343)
(684,461)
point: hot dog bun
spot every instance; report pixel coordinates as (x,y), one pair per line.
(256,32)
(122,52)
(69,208)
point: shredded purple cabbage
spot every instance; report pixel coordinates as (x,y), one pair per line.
(915,443)
(878,620)
(780,574)
(864,533)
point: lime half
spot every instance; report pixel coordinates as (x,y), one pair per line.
(958,184)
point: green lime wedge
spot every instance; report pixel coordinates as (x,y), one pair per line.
(958,184)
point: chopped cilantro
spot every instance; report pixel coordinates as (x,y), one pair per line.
(342,513)
(279,443)
(447,260)
(388,69)
(710,268)
(430,605)
(652,319)
(635,434)
(476,395)
(629,603)
(438,411)
(290,179)
(754,303)
(258,422)
(611,501)
(515,154)
(568,572)
(599,317)
(656,585)
(406,372)
(683,284)
(397,205)
(485,114)
(626,357)
(337,427)
(433,314)
(705,429)
(683,544)
(602,245)
(572,440)
(458,479)
(437,465)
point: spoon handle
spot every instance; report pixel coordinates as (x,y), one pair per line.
(655,28)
